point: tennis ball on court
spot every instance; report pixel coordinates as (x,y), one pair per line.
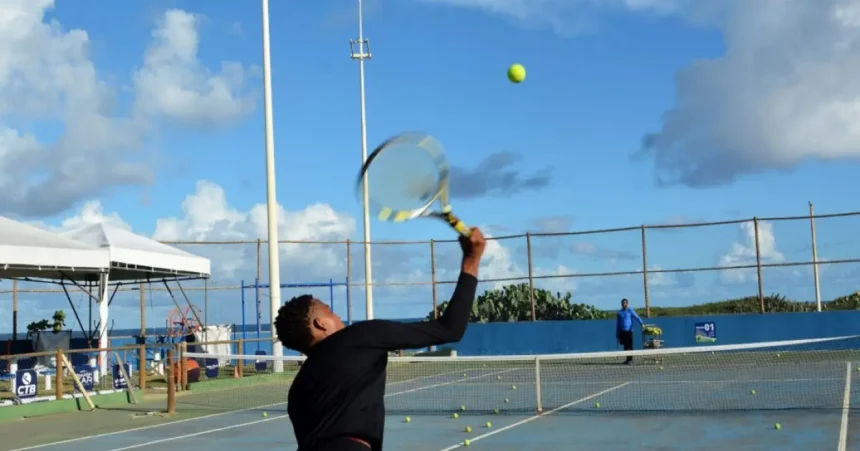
(468,429)
(265,414)
(517,73)
(408,419)
(513,387)
(455,416)
(597,405)
(777,426)
(466,443)
(462,408)
(489,425)
(496,411)
(752,392)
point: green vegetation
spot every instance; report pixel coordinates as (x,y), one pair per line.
(59,322)
(512,303)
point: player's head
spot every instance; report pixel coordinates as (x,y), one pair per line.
(624,303)
(304,321)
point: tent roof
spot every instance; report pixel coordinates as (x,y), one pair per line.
(30,252)
(134,257)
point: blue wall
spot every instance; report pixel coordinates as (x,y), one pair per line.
(551,337)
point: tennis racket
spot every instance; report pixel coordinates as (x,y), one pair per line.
(407,176)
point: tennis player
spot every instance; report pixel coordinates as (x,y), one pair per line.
(336,400)
(624,328)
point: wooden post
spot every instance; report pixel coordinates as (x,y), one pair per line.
(141,371)
(240,348)
(171,384)
(59,381)
(183,367)
(78,382)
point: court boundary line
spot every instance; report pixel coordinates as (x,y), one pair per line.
(532,418)
(195,434)
(842,444)
(186,420)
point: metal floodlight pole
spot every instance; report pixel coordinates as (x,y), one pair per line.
(360,50)
(271,198)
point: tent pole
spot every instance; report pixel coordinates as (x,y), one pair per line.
(14,310)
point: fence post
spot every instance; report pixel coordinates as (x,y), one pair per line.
(758,265)
(814,258)
(645,275)
(433,278)
(531,276)
(349,281)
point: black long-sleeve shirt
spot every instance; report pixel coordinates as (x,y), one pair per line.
(339,391)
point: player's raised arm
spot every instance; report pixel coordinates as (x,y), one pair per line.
(448,328)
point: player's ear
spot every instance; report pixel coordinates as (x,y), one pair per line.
(319,324)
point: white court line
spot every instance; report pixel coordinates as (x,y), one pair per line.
(842,445)
(232,412)
(530,419)
(209,431)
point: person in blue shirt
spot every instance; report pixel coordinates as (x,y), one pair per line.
(624,328)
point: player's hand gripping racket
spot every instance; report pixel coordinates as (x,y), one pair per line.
(407,175)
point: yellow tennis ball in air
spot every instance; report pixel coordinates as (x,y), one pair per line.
(468,429)
(507,400)
(265,414)
(489,425)
(752,392)
(408,419)
(777,426)
(466,443)
(597,405)
(517,73)
(455,416)
(462,408)
(496,411)
(513,387)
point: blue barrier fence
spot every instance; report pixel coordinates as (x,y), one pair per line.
(553,337)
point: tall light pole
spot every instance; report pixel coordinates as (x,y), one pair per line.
(360,50)
(271,198)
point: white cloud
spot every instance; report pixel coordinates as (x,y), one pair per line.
(565,17)
(173,82)
(743,252)
(784,92)
(49,83)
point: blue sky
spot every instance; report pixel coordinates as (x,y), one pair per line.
(633,112)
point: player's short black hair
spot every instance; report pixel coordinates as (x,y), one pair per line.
(293,323)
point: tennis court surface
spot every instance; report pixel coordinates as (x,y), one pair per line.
(794,395)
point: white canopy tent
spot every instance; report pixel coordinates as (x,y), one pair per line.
(28,252)
(135,258)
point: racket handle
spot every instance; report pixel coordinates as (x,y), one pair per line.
(457,224)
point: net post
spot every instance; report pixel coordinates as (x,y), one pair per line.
(758,264)
(141,370)
(645,274)
(531,276)
(171,383)
(538,385)
(433,278)
(240,364)
(59,381)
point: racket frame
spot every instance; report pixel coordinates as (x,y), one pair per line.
(431,146)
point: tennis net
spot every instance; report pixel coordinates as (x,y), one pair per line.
(797,374)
